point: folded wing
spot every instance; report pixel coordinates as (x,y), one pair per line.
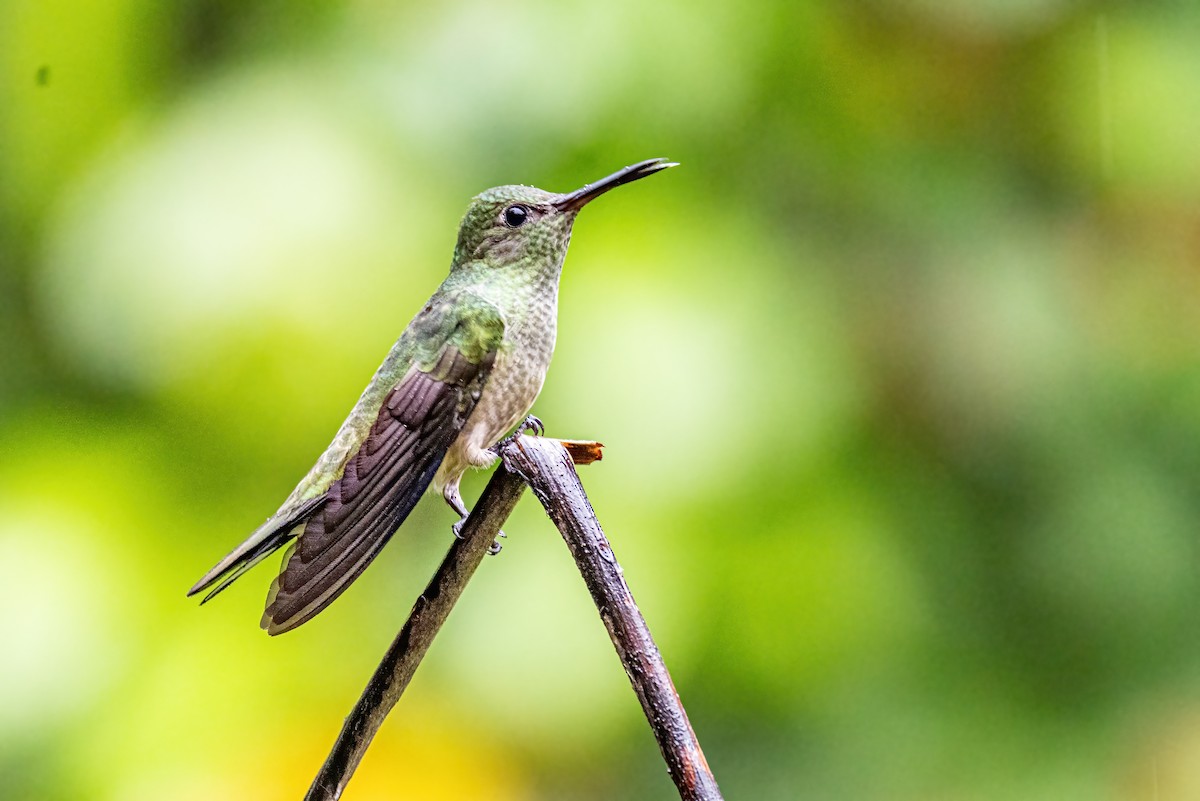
(381,485)
(383,481)
(455,343)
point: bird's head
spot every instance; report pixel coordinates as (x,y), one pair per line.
(510,225)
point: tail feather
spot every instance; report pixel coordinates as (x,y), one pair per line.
(266,539)
(249,560)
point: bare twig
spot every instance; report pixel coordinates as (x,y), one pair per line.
(546,465)
(428,613)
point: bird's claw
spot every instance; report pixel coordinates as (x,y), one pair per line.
(457,528)
(495,547)
(531,424)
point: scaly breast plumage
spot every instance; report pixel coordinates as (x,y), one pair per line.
(509,393)
(511,389)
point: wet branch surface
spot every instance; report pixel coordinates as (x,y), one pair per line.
(548,467)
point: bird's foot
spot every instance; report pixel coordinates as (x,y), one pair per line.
(531,424)
(493,549)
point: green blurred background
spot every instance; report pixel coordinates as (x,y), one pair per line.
(897,373)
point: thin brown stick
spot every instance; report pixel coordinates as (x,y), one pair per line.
(546,466)
(390,679)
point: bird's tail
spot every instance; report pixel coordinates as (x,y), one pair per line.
(266,539)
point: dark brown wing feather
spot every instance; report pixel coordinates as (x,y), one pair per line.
(381,484)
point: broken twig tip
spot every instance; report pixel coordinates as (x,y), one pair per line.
(583,451)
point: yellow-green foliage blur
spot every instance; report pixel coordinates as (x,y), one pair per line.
(898,376)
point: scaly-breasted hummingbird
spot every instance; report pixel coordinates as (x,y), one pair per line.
(466,370)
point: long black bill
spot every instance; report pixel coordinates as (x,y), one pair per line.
(576,200)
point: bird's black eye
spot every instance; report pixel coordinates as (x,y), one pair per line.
(515,216)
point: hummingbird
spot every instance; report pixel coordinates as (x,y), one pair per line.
(466,370)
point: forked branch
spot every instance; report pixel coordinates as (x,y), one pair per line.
(548,467)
